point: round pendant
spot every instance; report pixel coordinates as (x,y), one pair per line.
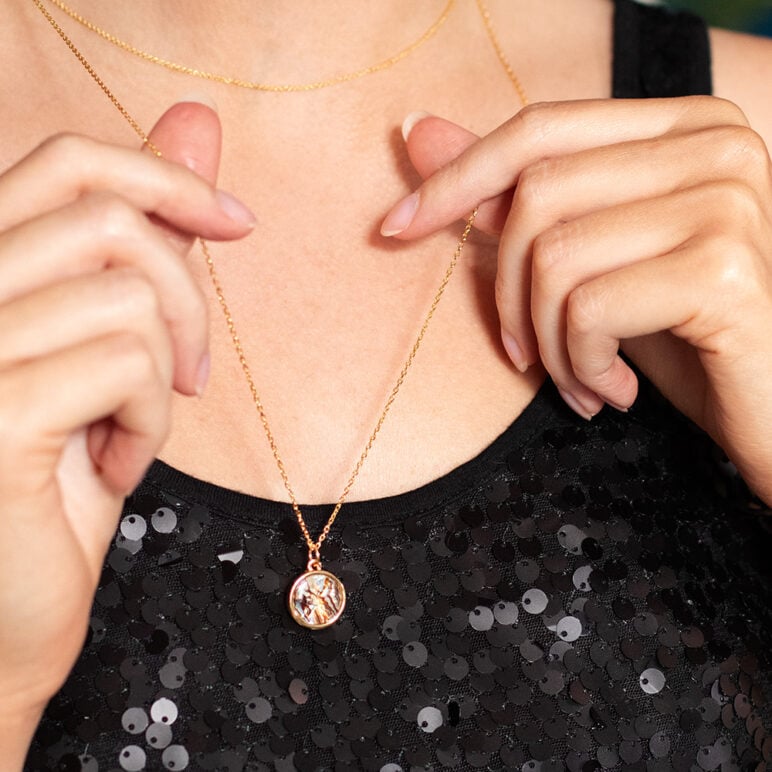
(316,599)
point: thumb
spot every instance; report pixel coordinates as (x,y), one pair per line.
(188,133)
(432,143)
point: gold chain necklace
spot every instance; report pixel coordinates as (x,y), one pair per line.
(242,83)
(286,88)
(317,598)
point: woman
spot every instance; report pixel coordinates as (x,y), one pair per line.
(524,589)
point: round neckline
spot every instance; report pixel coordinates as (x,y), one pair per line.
(243,506)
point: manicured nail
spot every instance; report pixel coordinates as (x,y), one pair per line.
(400,216)
(237,211)
(200,97)
(617,407)
(411,120)
(576,405)
(514,351)
(202,374)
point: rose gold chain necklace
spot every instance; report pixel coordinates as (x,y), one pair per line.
(317,597)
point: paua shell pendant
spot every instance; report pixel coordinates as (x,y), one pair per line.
(316,598)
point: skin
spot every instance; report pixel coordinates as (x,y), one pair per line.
(95,256)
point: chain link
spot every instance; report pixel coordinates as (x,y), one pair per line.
(313,546)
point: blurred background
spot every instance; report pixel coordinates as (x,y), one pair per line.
(749,15)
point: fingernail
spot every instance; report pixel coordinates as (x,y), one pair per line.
(411,120)
(576,405)
(515,353)
(400,216)
(237,211)
(617,407)
(202,374)
(200,97)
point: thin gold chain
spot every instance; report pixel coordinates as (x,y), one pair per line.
(248,84)
(313,546)
(486,17)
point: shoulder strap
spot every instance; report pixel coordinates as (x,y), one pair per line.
(659,53)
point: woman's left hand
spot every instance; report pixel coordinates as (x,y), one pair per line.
(640,223)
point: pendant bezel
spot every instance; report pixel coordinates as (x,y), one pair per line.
(297,615)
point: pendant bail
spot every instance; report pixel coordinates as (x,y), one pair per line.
(314,559)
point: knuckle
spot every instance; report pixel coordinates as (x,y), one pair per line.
(552,248)
(535,118)
(751,146)
(66,149)
(739,203)
(601,376)
(739,144)
(132,291)
(584,309)
(535,185)
(715,110)
(132,360)
(731,267)
(111,216)
(726,109)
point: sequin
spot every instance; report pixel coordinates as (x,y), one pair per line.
(415,654)
(429,719)
(164,711)
(481,618)
(164,520)
(652,681)
(569,629)
(259,710)
(534,601)
(132,758)
(133,527)
(175,757)
(134,720)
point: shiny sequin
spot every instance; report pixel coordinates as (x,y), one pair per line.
(570,599)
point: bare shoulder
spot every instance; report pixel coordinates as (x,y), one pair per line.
(742,73)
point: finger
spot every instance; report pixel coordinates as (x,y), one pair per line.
(562,189)
(572,253)
(72,165)
(700,293)
(103,231)
(493,165)
(68,313)
(432,143)
(113,376)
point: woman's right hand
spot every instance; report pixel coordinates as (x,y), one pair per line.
(99,320)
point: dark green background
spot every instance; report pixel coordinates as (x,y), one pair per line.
(751,15)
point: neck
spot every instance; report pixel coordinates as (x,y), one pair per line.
(277,41)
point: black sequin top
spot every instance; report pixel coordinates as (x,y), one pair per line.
(579,596)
